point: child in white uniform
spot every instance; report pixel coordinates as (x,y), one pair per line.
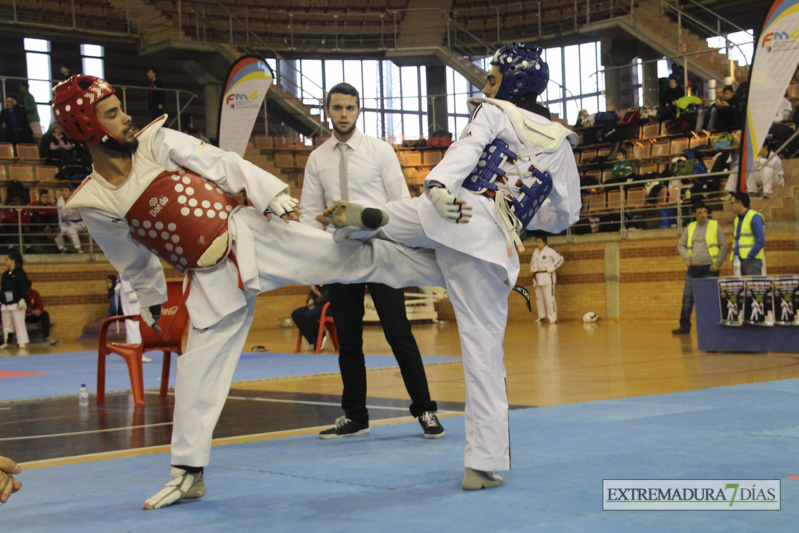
(543,265)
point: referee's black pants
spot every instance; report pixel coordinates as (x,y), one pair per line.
(347,300)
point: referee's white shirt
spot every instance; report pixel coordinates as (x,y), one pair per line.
(373,171)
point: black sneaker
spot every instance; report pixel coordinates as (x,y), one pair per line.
(680,331)
(345,428)
(431,426)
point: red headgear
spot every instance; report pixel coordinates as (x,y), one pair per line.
(73,106)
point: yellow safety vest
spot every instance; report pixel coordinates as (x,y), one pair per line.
(711,238)
(747,239)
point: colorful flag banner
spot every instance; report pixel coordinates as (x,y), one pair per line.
(775,59)
(247,82)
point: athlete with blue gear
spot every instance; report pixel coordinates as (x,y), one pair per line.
(491,183)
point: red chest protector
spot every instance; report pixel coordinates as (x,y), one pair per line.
(183,219)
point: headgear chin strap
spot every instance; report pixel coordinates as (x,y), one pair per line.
(73,106)
(523,71)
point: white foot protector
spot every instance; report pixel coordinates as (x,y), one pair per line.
(351,215)
(184,486)
(479,479)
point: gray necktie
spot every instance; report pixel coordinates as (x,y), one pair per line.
(342,171)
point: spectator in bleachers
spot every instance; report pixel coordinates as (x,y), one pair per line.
(14,287)
(70,156)
(690,109)
(622,169)
(14,220)
(780,132)
(56,147)
(766,173)
(14,126)
(712,110)
(31,111)
(69,221)
(155,97)
(582,119)
(674,91)
(45,218)
(35,314)
(723,114)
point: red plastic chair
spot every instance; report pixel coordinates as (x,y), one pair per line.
(324,322)
(173,322)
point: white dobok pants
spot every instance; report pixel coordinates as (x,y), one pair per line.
(14,322)
(284,253)
(478,291)
(545,297)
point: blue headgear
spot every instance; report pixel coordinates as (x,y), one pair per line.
(523,71)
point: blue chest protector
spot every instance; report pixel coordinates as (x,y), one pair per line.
(488,178)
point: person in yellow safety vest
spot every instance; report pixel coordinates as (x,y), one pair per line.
(749,236)
(703,248)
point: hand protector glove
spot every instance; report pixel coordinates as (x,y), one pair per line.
(151,315)
(550,270)
(22,304)
(282,205)
(444,202)
(132,297)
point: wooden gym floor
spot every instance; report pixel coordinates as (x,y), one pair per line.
(546,365)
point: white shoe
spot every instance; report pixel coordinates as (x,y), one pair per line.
(324,341)
(540,321)
(184,486)
(145,359)
(478,479)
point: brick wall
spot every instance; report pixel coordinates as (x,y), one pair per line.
(74,294)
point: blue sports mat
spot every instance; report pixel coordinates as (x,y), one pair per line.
(395,481)
(62,374)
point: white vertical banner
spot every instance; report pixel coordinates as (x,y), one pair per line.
(775,59)
(245,89)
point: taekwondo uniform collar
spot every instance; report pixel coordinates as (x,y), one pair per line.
(145,134)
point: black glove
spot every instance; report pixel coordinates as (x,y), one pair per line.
(151,315)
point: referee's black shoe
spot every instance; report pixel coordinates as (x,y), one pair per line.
(431,426)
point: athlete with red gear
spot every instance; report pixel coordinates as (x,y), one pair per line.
(157,194)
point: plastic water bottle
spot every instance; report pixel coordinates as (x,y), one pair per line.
(736,267)
(83,395)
